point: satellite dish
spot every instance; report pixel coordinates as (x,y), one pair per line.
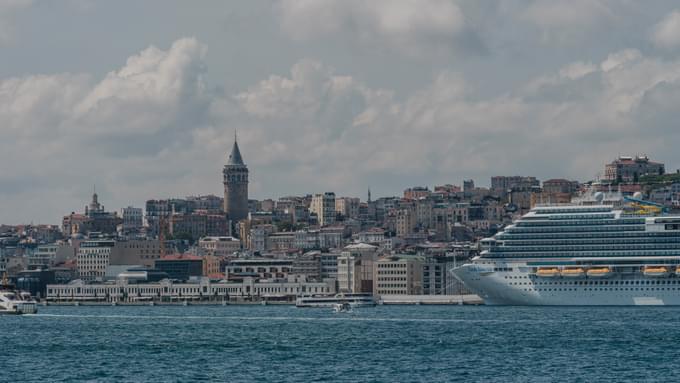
(599,197)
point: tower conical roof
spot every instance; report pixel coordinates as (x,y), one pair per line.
(235,156)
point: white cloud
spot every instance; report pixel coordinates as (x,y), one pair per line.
(67,131)
(666,33)
(155,128)
(407,26)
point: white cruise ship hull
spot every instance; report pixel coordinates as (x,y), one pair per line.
(517,284)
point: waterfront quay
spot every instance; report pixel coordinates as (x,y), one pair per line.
(203,291)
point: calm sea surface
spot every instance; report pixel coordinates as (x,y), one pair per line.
(382,344)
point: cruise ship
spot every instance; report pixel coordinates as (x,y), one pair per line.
(596,253)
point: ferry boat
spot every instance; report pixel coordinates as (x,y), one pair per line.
(354,300)
(15,302)
(592,252)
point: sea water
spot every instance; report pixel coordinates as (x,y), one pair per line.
(381,344)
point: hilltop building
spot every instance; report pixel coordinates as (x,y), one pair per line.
(630,169)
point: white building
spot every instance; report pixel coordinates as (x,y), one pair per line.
(201,289)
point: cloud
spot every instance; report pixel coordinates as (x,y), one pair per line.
(566,21)
(70,130)
(155,127)
(408,26)
(666,33)
(333,132)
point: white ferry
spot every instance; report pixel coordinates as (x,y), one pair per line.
(581,254)
(354,300)
(15,302)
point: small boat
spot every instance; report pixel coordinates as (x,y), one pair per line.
(343,307)
(15,302)
(548,272)
(599,272)
(655,271)
(573,272)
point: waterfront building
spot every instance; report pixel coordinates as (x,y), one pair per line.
(235,180)
(94,256)
(630,169)
(167,290)
(323,205)
(355,268)
(398,275)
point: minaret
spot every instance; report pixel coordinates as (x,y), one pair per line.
(235,185)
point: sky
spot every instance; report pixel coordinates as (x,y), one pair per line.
(143,98)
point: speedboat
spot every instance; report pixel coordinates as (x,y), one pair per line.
(344,307)
(15,302)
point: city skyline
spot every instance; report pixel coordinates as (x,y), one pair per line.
(466,90)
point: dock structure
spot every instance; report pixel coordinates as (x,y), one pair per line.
(469,299)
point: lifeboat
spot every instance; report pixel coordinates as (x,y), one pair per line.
(573,272)
(655,271)
(599,272)
(548,272)
(677,270)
